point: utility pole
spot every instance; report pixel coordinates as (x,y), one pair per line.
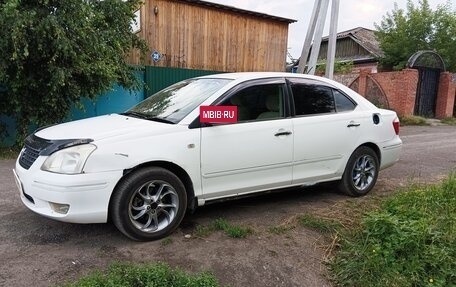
(331,57)
(308,41)
(315,32)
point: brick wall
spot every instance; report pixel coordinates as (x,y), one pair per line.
(399,88)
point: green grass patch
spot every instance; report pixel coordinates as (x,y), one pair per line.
(234,231)
(319,224)
(413,121)
(449,121)
(8,153)
(410,241)
(132,275)
(231,230)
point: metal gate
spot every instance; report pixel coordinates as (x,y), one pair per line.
(426,94)
(429,65)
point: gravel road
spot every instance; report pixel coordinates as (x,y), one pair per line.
(35,251)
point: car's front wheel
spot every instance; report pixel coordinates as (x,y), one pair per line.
(148,204)
(361,172)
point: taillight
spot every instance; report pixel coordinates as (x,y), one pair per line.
(396,125)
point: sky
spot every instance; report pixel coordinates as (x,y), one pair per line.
(352,14)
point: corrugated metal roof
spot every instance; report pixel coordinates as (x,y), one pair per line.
(238,10)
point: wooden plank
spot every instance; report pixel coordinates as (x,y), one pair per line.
(207,38)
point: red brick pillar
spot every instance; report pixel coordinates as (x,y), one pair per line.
(362,89)
(445,96)
(408,88)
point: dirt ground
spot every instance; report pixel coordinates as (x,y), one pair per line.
(35,251)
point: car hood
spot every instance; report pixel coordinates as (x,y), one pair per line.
(104,127)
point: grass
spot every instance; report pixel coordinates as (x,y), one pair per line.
(312,221)
(132,275)
(280,229)
(8,153)
(409,241)
(166,241)
(203,230)
(413,121)
(319,224)
(231,230)
(449,121)
(234,231)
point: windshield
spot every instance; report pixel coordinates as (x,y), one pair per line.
(177,101)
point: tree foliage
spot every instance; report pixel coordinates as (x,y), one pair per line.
(403,32)
(340,67)
(54,52)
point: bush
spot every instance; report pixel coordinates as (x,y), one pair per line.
(126,275)
(410,242)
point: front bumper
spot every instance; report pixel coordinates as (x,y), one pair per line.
(86,195)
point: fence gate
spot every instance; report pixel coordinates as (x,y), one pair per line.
(429,65)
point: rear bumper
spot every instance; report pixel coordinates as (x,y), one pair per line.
(391,151)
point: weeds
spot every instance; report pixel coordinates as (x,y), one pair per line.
(231,230)
(8,153)
(203,231)
(413,121)
(449,121)
(132,275)
(280,229)
(309,221)
(234,231)
(319,224)
(411,241)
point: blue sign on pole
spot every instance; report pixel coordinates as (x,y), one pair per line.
(156,56)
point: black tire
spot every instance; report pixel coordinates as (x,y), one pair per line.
(361,172)
(148,204)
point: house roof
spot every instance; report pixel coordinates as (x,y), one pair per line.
(238,10)
(364,37)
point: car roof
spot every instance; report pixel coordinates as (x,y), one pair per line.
(244,76)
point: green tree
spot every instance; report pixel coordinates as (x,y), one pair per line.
(54,52)
(402,33)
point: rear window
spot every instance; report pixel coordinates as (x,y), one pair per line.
(343,103)
(310,99)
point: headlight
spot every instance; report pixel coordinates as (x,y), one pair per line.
(70,160)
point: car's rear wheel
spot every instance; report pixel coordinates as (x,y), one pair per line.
(148,204)
(361,172)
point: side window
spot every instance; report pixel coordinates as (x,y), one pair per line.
(258,102)
(312,99)
(343,103)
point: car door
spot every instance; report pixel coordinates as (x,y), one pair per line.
(255,153)
(326,129)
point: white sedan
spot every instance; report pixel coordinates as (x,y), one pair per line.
(146,167)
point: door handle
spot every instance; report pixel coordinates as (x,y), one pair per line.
(284,133)
(353,124)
